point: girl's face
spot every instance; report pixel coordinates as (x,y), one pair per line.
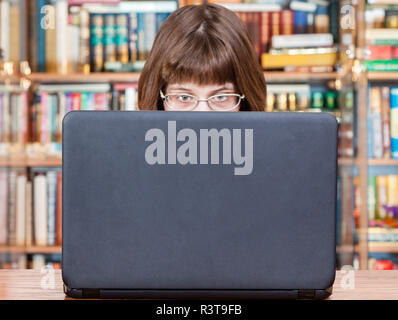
(199,91)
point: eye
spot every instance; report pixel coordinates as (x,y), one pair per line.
(184,98)
(220,98)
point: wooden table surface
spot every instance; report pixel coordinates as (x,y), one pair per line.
(357,285)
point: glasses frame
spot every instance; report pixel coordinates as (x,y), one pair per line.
(241,97)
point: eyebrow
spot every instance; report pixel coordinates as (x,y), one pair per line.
(212,92)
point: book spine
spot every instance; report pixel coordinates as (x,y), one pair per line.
(61,8)
(84,41)
(40,210)
(96,42)
(51,193)
(149,31)
(265,31)
(385,109)
(121,38)
(141,36)
(51,40)
(381,182)
(322,19)
(11,208)
(369,126)
(109,38)
(41,36)
(300,22)
(29,217)
(5,30)
(287,22)
(133,36)
(375,100)
(372,201)
(394,122)
(59,209)
(392,191)
(3,207)
(275,23)
(20,209)
(15,30)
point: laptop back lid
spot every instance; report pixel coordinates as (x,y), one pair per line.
(144,206)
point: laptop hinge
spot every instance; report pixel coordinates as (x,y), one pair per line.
(90,293)
(306,294)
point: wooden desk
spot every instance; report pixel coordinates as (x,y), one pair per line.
(26,284)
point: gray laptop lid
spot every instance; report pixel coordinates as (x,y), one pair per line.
(129,224)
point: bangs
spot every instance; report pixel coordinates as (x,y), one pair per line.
(200,60)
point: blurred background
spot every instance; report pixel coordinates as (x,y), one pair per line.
(337,56)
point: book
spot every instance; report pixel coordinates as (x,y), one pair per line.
(302,41)
(375,114)
(381,65)
(58,213)
(3,206)
(51,177)
(372,198)
(394,121)
(12,208)
(20,208)
(29,216)
(273,61)
(40,209)
(385,116)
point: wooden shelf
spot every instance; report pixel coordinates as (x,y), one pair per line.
(53,161)
(300,76)
(391,247)
(383,75)
(383,162)
(77,77)
(31,249)
(134,76)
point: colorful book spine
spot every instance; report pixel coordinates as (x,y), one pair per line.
(394,122)
(372,198)
(3,206)
(51,177)
(96,42)
(109,38)
(375,109)
(385,110)
(121,38)
(133,37)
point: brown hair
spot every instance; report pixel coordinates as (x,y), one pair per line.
(203,44)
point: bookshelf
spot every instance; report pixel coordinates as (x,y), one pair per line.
(337,80)
(372,166)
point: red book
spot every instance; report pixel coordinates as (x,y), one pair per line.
(275,23)
(287,22)
(100,101)
(380,52)
(124,86)
(58,209)
(265,31)
(256,33)
(76,101)
(394,52)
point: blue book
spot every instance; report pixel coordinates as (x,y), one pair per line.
(370,128)
(394,122)
(41,37)
(300,22)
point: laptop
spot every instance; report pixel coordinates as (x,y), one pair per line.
(186,205)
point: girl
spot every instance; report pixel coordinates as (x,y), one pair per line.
(202,59)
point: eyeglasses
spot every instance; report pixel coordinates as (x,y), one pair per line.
(187,102)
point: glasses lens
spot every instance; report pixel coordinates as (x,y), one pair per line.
(224,102)
(180,101)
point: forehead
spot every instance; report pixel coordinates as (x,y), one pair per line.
(204,87)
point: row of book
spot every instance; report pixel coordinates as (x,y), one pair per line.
(35,261)
(30,208)
(382,200)
(381,38)
(271,20)
(383,122)
(42,120)
(293,97)
(59,37)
